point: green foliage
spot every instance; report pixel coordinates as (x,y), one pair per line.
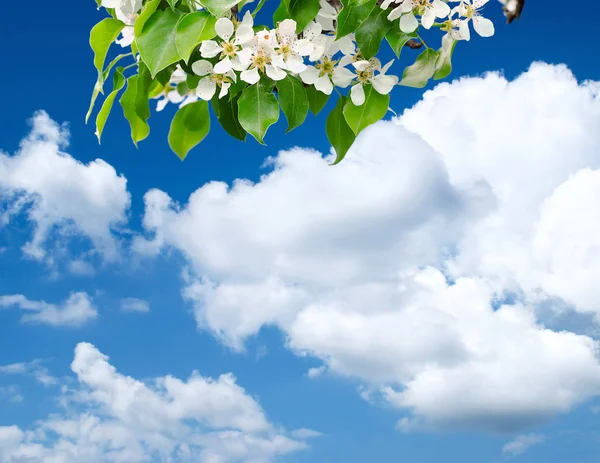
(372,110)
(189,127)
(258,110)
(176,55)
(293,101)
(339,133)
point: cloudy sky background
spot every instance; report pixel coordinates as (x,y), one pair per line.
(435,294)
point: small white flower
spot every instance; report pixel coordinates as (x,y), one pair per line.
(290,49)
(207,86)
(469,10)
(326,16)
(262,52)
(371,72)
(233,48)
(327,69)
(172,95)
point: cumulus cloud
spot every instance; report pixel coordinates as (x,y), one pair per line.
(115,418)
(75,311)
(61,196)
(33,368)
(132,304)
(521,443)
(418,265)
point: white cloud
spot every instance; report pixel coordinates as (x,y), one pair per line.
(60,195)
(75,311)
(132,304)
(33,368)
(521,443)
(11,393)
(116,418)
(394,266)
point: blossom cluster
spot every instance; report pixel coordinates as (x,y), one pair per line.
(314,55)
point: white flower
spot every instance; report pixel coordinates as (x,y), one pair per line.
(262,52)
(326,15)
(366,74)
(125,10)
(207,86)
(233,45)
(172,95)
(408,10)
(327,70)
(290,49)
(127,37)
(469,10)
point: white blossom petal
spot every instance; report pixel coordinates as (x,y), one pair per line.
(251,76)
(223,66)
(384,84)
(483,26)
(357,95)
(342,77)
(428,18)
(244,34)
(309,75)
(408,23)
(323,84)
(202,67)
(295,64)
(206,88)
(210,49)
(440,8)
(463,28)
(224,89)
(224,28)
(275,73)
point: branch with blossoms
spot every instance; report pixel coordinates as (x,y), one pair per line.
(212,54)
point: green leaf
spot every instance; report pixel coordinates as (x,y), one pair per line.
(372,110)
(98,87)
(258,110)
(303,12)
(192,29)
(144,83)
(339,133)
(139,127)
(102,36)
(352,15)
(164,76)
(396,38)
(293,101)
(156,42)
(418,74)
(172,4)
(148,11)
(226,111)
(189,127)
(372,31)
(118,84)
(219,7)
(316,99)
(280,13)
(443,65)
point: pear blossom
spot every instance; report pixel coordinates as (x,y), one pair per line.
(234,54)
(327,69)
(261,59)
(326,16)
(313,33)
(408,10)
(371,72)
(207,86)
(469,10)
(290,49)
(172,95)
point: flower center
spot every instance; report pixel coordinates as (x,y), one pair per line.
(260,60)
(326,67)
(229,49)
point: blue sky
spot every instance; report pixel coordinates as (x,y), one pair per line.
(309,262)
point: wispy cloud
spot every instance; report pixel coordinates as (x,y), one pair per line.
(521,443)
(75,311)
(133,304)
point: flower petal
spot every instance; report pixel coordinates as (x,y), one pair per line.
(408,23)
(224,89)
(428,18)
(357,95)
(224,28)
(384,84)
(206,88)
(483,26)
(295,64)
(275,73)
(440,8)
(251,76)
(309,75)
(202,67)
(210,49)
(342,77)
(323,84)
(223,66)
(244,34)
